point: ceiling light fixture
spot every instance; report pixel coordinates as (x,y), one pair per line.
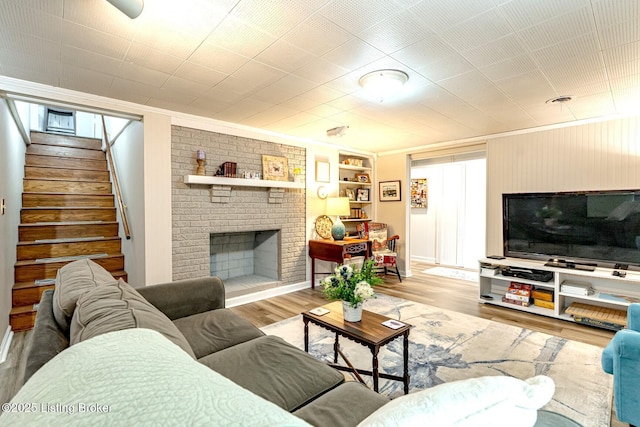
(131,8)
(337,132)
(559,100)
(383,84)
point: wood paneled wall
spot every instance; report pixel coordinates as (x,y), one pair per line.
(595,156)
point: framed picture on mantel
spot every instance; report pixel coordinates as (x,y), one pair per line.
(275,168)
(390,191)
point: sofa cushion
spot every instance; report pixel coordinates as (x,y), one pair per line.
(47,340)
(136,377)
(477,402)
(215,330)
(330,408)
(73,280)
(113,308)
(275,370)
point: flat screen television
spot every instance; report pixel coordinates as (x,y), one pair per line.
(601,227)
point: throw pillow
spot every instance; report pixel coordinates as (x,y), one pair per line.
(378,239)
(494,401)
(73,280)
(113,308)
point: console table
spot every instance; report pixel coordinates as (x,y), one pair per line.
(336,251)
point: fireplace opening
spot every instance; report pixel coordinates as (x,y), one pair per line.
(246,261)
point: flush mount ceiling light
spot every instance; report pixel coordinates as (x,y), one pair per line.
(131,8)
(383,84)
(337,132)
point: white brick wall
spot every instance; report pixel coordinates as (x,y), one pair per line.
(195,217)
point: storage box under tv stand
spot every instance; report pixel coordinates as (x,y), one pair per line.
(611,292)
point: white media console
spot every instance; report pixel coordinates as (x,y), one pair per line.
(610,291)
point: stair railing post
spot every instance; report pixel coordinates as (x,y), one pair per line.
(116,185)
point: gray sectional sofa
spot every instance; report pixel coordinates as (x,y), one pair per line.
(103,353)
(88,302)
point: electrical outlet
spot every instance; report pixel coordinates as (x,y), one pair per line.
(3,207)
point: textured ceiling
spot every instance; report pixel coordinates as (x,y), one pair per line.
(475,67)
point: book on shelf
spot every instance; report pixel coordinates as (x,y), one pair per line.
(516,297)
(544,303)
(516,291)
(542,294)
(516,302)
(598,323)
(520,286)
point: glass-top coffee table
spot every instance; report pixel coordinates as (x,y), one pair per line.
(369,332)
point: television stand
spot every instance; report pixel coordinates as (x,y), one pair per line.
(563,263)
(606,290)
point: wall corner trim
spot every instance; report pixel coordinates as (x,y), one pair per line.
(6,343)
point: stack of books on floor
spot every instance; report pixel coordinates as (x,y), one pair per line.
(518,294)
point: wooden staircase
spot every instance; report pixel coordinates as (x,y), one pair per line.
(68,212)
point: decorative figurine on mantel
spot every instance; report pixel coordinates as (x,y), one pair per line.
(201,159)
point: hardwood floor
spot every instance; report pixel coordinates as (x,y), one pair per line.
(456,295)
(452,294)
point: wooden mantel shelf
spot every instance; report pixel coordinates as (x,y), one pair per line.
(240,182)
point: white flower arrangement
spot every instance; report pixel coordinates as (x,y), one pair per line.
(352,286)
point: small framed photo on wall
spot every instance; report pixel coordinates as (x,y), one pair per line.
(390,191)
(322,171)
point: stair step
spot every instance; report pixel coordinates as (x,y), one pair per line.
(53,150)
(60,186)
(36,232)
(67,258)
(61,214)
(29,271)
(66,162)
(65,248)
(32,200)
(65,140)
(29,293)
(52,173)
(23,318)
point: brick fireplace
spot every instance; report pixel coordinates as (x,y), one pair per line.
(249,259)
(196,218)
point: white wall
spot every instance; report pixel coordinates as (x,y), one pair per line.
(157,199)
(128,153)
(397,215)
(12,154)
(595,156)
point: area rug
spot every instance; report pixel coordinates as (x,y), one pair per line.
(453,273)
(448,346)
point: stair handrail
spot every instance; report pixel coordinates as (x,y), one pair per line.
(114,176)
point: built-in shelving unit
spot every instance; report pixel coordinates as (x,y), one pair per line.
(609,291)
(240,182)
(356,179)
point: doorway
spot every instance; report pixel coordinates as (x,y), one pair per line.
(450,228)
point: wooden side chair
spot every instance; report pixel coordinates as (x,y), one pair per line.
(383,247)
